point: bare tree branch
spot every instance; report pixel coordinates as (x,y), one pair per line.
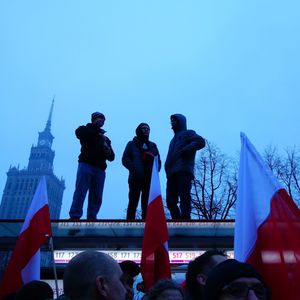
(286,168)
(214,188)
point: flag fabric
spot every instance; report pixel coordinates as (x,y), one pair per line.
(155,262)
(24,264)
(267,225)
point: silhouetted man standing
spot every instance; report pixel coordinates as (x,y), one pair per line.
(95,150)
(138,159)
(179,167)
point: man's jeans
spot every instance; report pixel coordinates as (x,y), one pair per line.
(92,179)
(179,187)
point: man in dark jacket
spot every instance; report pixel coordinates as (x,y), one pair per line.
(95,150)
(179,167)
(138,159)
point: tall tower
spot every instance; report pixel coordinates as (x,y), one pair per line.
(21,184)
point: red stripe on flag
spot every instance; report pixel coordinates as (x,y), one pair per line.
(155,264)
(28,243)
(267,227)
(276,254)
(155,209)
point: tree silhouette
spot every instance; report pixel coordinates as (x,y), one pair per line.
(215,184)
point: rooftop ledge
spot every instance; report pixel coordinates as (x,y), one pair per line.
(120,234)
(109,227)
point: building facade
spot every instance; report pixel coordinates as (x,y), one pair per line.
(21,183)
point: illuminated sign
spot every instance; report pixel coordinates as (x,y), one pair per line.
(176,257)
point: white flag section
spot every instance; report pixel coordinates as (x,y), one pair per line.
(155,190)
(256,183)
(24,265)
(267,226)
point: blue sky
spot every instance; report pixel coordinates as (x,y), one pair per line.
(229,66)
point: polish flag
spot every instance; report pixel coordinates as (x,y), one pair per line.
(267,226)
(24,264)
(155,264)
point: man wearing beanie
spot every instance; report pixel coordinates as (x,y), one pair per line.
(231,280)
(138,159)
(179,167)
(95,150)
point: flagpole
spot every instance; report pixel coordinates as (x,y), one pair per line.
(54,266)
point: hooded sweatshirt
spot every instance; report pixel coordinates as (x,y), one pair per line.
(182,148)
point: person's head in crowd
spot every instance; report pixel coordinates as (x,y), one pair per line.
(165,289)
(38,290)
(130,270)
(231,280)
(93,275)
(198,270)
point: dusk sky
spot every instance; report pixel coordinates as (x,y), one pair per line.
(228,66)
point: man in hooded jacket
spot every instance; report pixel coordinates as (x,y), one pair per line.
(138,159)
(179,167)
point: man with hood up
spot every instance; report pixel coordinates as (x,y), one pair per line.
(138,159)
(179,167)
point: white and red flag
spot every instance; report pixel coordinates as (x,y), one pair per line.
(155,264)
(24,264)
(267,225)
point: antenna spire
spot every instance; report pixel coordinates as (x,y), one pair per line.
(48,124)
